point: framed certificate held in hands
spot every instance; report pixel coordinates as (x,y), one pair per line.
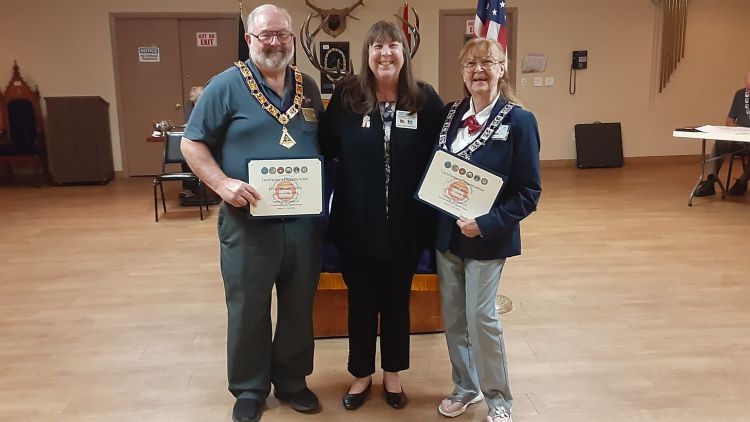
(457,187)
(290,187)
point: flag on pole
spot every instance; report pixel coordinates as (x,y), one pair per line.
(490,21)
(404,25)
(243,53)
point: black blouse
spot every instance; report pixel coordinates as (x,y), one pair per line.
(360,223)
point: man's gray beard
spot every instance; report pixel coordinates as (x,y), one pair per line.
(272,61)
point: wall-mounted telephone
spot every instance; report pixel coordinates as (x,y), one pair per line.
(580,59)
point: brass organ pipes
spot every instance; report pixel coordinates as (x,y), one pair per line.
(673,28)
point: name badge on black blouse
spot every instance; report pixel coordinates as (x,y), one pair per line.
(406,120)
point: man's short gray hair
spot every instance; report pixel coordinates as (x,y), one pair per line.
(264,8)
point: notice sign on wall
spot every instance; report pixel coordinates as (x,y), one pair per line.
(470,27)
(206,39)
(148,54)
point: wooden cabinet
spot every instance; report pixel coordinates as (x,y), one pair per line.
(331,306)
(79,146)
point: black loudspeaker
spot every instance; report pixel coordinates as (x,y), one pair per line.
(598,145)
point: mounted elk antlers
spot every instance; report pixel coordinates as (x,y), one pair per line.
(333,21)
(413,30)
(308,45)
(342,70)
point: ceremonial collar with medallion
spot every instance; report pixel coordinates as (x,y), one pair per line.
(281,117)
(480,140)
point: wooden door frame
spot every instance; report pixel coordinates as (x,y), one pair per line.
(113,18)
(511,14)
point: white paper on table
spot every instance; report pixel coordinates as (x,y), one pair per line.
(725,130)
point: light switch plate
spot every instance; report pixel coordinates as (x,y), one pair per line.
(538,81)
(549,81)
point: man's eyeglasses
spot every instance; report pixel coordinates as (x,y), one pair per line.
(484,63)
(267,37)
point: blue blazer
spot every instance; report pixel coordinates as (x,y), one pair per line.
(517,158)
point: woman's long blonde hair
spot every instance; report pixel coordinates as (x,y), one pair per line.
(485,47)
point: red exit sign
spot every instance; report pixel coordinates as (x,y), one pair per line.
(206,39)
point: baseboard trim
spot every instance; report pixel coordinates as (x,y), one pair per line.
(691,158)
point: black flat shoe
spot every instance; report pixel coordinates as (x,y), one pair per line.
(355,401)
(739,188)
(395,400)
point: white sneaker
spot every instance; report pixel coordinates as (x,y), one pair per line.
(455,404)
(499,415)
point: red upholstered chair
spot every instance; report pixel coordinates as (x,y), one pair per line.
(21,126)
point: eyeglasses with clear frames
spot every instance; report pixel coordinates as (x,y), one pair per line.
(267,37)
(484,63)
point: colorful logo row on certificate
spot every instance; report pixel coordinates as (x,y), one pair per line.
(466,173)
(284,170)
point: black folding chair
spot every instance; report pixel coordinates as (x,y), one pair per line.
(743,156)
(173,155)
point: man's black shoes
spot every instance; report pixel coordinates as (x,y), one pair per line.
(246,410)
(304,400)
(739,188)
(706,187)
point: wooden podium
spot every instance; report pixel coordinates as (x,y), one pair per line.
(79,148)
(331,306)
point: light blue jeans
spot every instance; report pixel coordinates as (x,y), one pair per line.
(473,331)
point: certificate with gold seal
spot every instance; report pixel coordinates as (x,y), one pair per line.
(457,187)
(290,187)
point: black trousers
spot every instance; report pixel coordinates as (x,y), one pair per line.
(378,289)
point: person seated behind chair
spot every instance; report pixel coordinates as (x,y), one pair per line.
(739,115)
(195,94)
(190,188)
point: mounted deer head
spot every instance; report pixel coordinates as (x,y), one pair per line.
(333,21)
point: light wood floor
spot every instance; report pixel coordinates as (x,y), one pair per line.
(629,305)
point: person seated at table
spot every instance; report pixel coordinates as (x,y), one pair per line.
(739,115)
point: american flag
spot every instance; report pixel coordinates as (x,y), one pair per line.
(490,21)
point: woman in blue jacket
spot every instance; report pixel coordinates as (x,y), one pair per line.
(471,253)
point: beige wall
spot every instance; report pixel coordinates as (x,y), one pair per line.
(65,48)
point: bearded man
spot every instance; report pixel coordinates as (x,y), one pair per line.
(262,108)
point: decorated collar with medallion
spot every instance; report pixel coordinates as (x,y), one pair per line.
(281,117)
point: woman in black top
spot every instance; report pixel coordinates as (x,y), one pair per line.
(381,126)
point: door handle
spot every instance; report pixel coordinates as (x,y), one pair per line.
(177,106)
